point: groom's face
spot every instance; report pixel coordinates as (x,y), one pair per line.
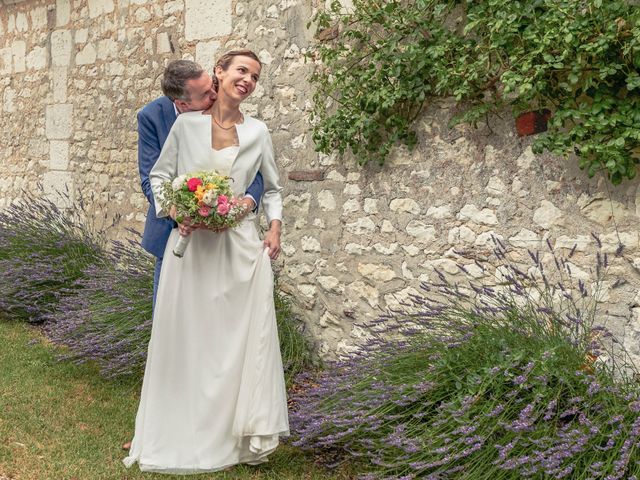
(201,94)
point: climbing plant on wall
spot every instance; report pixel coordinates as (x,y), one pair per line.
(381,62)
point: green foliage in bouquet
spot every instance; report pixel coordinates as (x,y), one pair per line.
(386,59)
(205,197)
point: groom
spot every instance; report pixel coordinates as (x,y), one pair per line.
(187,87)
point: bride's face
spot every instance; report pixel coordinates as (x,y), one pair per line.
(239,80)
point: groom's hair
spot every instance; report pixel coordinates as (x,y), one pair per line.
(175,78)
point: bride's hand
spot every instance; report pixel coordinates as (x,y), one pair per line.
(185,227)
(272,239)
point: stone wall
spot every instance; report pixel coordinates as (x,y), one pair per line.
(356,240)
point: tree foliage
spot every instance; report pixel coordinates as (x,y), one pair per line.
(390,58)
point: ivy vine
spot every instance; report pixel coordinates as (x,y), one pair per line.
(383,61)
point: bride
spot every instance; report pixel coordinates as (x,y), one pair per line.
(213,393)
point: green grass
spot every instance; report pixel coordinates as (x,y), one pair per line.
(62,421)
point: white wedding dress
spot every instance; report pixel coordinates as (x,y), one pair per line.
(213,393)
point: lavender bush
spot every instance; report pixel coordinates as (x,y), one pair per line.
(477,382)
(43,251)
(93,296)
(110,321)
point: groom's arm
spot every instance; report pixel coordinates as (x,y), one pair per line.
(148,152)
(256,189)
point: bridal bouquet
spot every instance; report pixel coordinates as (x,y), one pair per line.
(206,198)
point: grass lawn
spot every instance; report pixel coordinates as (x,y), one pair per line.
(60,421)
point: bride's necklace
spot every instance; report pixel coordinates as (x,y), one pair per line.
(226,128)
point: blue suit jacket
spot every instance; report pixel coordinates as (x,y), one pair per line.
(154,122)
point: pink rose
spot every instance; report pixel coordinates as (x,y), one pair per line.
(204,211)
(193,184)
(223,199)
(223,208)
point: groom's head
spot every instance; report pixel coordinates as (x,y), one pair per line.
(188,85)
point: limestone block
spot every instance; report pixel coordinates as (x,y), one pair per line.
(351,189)
(296,270)
(308,294)
(485,216)
(19,52)
(327,320)
(580,242)
(81,35)
(206,54)
(547,214)
(292,52)
(443,211)
(377,272)
(411,250)
(299,202)
(288,249)
(398,300)
(604,210)
(58,187)
(350,206)
(37,58)
(265,57)
(6,61)
(390,250)
(59,83)
(272,12)
(87,55)
(407,205)
(387,227)
(360,290)
(173,7)
(22,24)
(611,241)
(326,200)
(406,272)
(99,7)
(353,176)
(495,186)
(310,244)
(299,141)
(143,15)
(370,206)
(329,283)
(206,19)
(58,155)
(485,239)
(525,159)
(326,160)
(422,232)
(58,120)
(361,226)
(63,12)
(335,176)
(356,249)
(8,100)
(467,235)
(61,48)
(107,48)
(526,239)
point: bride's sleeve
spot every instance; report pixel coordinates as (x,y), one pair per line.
(272,198)
(166,168)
